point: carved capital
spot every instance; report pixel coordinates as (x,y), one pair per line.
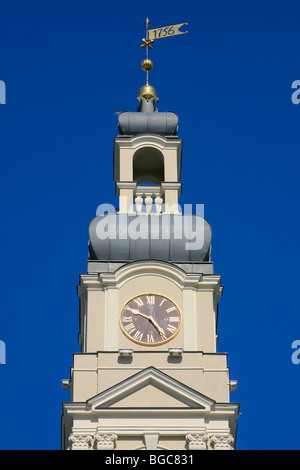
(197,441)
(105,441)
(222,442)
(80,441)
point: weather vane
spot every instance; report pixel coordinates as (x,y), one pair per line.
(158,33)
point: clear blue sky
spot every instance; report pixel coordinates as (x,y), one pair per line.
(68,66)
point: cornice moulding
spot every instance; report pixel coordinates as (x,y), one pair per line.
(199,282)
(153,140)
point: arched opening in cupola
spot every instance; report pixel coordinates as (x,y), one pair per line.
(148,166)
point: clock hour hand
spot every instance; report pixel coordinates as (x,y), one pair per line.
(137,312)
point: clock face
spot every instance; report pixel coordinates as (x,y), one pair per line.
(150,319)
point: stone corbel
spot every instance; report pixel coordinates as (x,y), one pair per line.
(105,441)
(222,442)
(197,441)
(80,441)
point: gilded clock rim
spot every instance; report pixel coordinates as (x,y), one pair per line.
(155,343)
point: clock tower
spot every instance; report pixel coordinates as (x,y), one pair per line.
(149,375)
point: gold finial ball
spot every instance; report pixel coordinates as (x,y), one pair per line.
(147,64)
(147,91)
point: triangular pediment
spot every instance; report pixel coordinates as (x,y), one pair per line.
(150,388)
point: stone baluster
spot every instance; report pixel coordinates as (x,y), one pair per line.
(148,204)
(147,200)
(158,204)
(139,204)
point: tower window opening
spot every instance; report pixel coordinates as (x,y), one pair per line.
(148,166)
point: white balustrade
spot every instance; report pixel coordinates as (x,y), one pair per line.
(148,202)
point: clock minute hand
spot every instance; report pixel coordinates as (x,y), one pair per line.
(160,330)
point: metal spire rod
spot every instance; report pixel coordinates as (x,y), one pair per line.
(147,64)
(147,51)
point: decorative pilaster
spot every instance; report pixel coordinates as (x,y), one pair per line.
(197,441)
(105,441)
(222,442)
(80,441)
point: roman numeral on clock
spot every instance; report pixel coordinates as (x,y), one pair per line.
(129,319)
(139,302)
(129,328)
(150,299)
(138,335)
(174,319)
(171,328)
(150,338)
(170,309)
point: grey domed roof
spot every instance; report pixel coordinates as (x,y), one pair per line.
(123,237)
(147,119)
